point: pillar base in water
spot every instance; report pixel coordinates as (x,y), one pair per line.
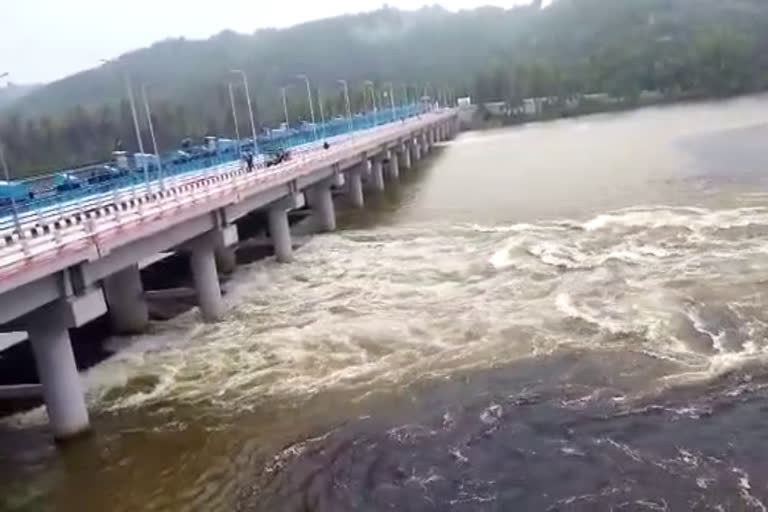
(405,151)
(203,264)
(128,310)
(280,232)
(62,389)
(356,188)
(393,171)
(377,174)
(322,205)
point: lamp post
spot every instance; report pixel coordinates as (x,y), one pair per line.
(7,174)
(132,103)
(405,99)
(311,106)
(373,100)
(346,100)
(322,113)
(234,115)
(392,101)
(250,108)
(285,105)
(134,115)
(145,97)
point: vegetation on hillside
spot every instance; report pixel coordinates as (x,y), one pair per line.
(680,48)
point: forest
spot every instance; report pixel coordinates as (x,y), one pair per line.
(678,48)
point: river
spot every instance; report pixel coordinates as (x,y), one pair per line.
(567,315)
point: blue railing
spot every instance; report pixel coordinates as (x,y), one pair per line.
(28,206)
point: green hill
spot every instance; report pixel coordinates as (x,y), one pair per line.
(680,47)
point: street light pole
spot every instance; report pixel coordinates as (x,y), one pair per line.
(346,99)
(250,108)
(322,113)
(373,100)
(132,102)
(311,106)
(392,100)
(16,222)
(134,115)
(15,211)
(234,115)
(285,107)
(152,132)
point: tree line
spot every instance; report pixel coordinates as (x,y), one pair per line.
(678,48)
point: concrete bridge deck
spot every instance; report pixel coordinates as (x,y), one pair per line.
(70,265)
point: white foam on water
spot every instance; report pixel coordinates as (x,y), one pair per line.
(368,310)
(745,490)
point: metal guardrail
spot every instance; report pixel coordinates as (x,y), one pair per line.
(114,213)
(27,209)
(95,196)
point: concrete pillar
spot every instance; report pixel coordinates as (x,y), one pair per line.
(322,204)
(226,261)
(203,264)
(62,390)
(416,145)
(356,187)
(280,231)
(393,170)
(377,174)
(406,152)
(125,299)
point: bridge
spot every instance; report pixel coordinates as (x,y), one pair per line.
(65,265)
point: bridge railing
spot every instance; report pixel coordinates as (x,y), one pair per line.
(106,221)
(25,209)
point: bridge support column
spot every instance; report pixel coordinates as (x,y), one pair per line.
(356,186)
(62,390)
(48,333)
(416,145)
(125,298)
(322,203)
(377,174)
(203,264)
(393,171)
(406,152)
(226,261)
(280,232)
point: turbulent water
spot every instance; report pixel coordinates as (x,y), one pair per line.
(561,316)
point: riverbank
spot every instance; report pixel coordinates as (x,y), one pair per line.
(502,114)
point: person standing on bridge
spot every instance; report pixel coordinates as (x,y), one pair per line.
(249,161)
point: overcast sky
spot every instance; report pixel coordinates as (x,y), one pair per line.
(44,40)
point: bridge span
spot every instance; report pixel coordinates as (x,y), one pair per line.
(64,267)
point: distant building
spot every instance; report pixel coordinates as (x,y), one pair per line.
(534,106)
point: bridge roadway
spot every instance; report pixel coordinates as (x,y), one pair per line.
(68,265)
